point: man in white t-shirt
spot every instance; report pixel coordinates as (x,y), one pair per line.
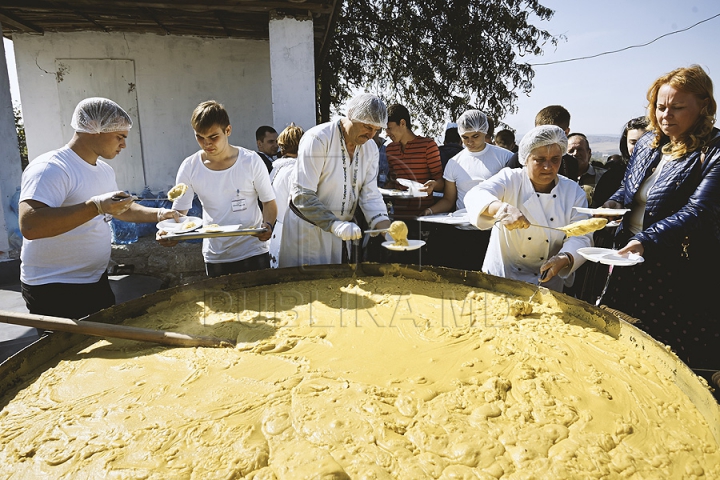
(67,198)
(477,162)
(228,180)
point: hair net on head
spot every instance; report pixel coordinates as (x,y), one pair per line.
(100,115)
(368,108)
(472,121)
(540,137)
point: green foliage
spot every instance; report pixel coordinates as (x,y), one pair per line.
(22,144)
(437,57)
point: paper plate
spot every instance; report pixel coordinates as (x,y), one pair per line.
(607,212)
(171,226)
(608,256)
(219,228)
(412,245)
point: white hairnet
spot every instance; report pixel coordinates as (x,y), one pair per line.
(472,121)
(540,137)
(368,108)
(100,115)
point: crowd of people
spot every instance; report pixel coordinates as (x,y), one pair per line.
(316,199)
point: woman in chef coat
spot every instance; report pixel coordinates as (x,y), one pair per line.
(513,199)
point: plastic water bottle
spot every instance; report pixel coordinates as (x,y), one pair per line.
(147,229)
(13,226)
(123,233)
(195,211)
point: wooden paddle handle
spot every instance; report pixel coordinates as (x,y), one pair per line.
(98,329)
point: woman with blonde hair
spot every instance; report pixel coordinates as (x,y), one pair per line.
(672,186)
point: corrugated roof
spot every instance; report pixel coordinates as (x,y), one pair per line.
(221,18)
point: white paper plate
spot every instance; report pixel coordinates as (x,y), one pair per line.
(607,212)
(608,256)
(396,193)
(219,228)
(412,245)
(171,226)
(413,187)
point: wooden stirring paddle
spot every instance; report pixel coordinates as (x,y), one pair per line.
(98,329)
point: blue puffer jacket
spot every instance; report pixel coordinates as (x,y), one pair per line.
(684,204)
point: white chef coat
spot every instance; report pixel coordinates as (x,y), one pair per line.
(519,253)
(340,187)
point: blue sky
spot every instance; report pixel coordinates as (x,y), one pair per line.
(12,72)
(603,93)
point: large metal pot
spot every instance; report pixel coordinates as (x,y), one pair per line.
(27,364)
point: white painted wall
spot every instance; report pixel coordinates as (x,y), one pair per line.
(173,75)
(9,163)
(292,62)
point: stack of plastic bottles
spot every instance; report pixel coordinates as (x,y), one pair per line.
(128,232)
(13,226)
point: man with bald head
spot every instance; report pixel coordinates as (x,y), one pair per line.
(588,174)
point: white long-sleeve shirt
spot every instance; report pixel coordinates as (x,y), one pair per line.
(327,186)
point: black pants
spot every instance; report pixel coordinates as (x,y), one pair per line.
(258,262)
(452,247)
(68,300)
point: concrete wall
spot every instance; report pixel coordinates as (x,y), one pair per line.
(171,76)
(292,63)
(9,166)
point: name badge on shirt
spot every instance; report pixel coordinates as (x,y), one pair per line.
(238,205)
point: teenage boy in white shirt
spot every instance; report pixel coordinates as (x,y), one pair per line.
(228,180)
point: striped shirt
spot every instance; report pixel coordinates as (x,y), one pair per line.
(420,162)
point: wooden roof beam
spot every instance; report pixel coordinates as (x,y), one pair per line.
(245,6)
(10,19)
(218,16)
(154,18)
(83,15)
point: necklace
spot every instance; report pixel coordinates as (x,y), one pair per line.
(348,202)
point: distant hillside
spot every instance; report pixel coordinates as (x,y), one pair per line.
(604,145)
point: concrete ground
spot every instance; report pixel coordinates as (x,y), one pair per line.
(14,338)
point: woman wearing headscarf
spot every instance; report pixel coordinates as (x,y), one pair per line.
(336,172)
(512,200)
(672,188)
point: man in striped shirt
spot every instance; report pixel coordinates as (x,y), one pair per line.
(413,158)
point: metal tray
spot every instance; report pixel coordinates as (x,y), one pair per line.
(224,232)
